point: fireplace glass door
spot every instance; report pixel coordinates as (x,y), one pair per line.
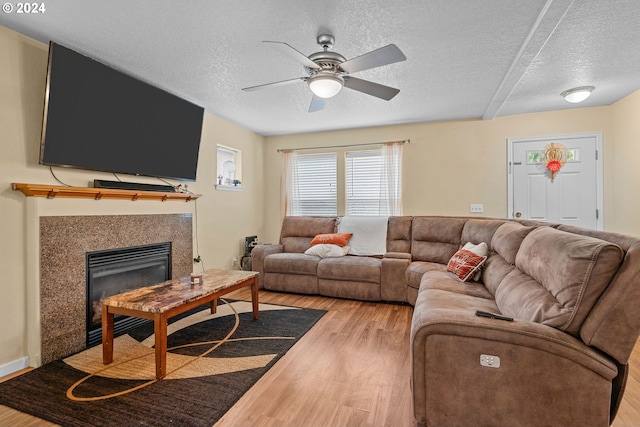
(116,271)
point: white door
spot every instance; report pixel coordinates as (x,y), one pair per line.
(573,196)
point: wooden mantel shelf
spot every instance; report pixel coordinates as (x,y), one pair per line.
(53,191)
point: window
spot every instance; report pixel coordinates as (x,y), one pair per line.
(229,167)
(537,156)
(313,184)
(363,176)
(534,157)
(373,182)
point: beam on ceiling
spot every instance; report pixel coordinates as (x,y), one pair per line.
(548,20)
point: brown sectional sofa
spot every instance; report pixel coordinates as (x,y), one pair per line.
(573,294)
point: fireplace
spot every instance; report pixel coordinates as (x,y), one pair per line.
(113,271)
(62,287)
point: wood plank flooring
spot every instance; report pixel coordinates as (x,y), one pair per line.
(351,369)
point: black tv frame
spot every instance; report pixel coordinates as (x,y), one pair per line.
(162,130)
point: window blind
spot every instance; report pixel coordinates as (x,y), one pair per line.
(367,183)
(316,182)
(363,173)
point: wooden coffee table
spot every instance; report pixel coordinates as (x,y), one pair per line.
(165,300)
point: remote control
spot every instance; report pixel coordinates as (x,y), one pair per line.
(493,316)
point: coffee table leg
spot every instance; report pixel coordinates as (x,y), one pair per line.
(214,306)
(107,335)
(254,299)
(160,331)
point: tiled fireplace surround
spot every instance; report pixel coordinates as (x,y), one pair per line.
(64,242)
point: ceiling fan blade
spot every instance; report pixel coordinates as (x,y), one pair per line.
(274,84)
(370,88)
(384,56)
(294,53)
(317,104)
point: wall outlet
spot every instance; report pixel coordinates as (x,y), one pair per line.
(476,208)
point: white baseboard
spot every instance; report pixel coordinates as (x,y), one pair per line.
(15,366)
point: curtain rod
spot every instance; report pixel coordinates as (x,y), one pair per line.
(279,150)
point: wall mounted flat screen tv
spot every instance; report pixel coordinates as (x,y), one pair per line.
(101,119)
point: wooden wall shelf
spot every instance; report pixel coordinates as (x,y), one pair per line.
(53,191)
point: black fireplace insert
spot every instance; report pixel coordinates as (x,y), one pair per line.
(113,271)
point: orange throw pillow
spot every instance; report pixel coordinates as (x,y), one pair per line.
(339,239)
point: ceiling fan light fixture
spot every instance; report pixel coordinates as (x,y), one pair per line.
(577,94)
(325,85)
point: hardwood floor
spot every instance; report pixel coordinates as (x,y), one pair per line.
(351,369)
(629,412)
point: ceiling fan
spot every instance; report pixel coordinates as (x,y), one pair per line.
(328,71)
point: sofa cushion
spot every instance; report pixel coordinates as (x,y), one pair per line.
(291,263)
(297,283)
(363,291)
(298,231)
(464,264)
(435,239)
(399,234)
(445,281)
(480,230)
(494,271)
(558,278)
(507,240)
(505,244)
(350,268)
(613,323)
(417,269)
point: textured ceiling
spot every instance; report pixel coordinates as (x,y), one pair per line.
(465,58)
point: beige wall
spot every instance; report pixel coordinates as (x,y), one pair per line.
(223,218)
(624,214)
(449,165)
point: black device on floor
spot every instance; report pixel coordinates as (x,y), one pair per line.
(250,242)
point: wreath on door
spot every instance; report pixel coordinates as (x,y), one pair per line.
(555,156)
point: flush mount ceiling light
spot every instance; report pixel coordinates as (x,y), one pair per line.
(577,94)
(325,85)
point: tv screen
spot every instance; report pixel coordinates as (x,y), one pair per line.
(101,119)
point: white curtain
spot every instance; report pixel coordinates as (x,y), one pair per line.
(391,177)
(289,191)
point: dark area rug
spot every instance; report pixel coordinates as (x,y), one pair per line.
(190,401)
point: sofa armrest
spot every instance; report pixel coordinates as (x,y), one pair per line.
(258,254)
(464,323)
(398,255)
(545,367)
(393,282)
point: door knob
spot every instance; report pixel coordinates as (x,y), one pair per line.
(518,214)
